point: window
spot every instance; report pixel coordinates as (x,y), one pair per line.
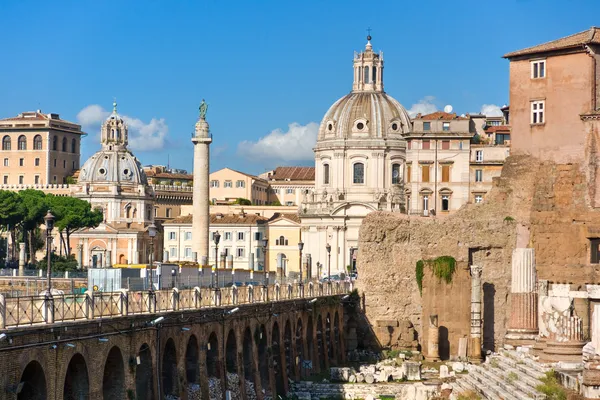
(478,198)
(479,156)
(446,126)
(21,179)
(595,251)
(22,143)
(155,212)
(64,163)
(240,184)
(240,235)
(289,203)
(73,146)
(276,191)
(6,179)
(425,203)
(478,175)
(240,251)
(426,145)
(425,173)
(37,162)
(55,163)
(445,173)
(408,171)
(282,241)
(188,252)
(173,251)
(73,165)
(21,162)
(169,212)
(228,184)
(54,179)
(172,235)
(37,179)
(6,164)
(258,252)
(214,184)
(537,112)
(6,143)
(227,236)
(326,174)
(257,236)
(187,236)
(289,191)
(359,173)
(538,69)
(445,145)
(502,138)
(37,142)
(64,144)
(55,143)
(460,145)
(395,174)
(445,203)
(426,126)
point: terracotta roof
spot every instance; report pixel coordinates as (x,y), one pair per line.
(243,173)
(291,217)
(168,175)
(223,219)
(498,128)
(31,115)
(294,174)
(184,219)
(439,115)
(590,36)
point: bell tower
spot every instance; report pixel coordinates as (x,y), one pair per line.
(368,70)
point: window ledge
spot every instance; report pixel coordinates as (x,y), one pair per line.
(540,124)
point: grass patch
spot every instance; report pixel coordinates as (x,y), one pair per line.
(551,388)
(512,376)
(494,363)
(469,395)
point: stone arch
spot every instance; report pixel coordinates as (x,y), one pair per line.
(33,379)
(321,344)
(113,381)
(337,342)
(248,356)
(169,376)
(77,382)
(122,259)
(212,356)
(329,337)
(288,350)
(310,347)
(192,368)
(263,363)
(231,353)
(300,346)
(144,376)
(277,360)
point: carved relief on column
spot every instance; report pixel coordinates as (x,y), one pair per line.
(475,339)
(433,339)
(523,323)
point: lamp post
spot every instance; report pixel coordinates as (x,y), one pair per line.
(152,233)
(328,248)
(49,221)
(216,238)
(265,242)
(300,247)
(173,273)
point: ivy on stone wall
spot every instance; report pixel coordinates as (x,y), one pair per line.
(443,268)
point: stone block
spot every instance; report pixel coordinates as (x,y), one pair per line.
(413,370)
(444,373)
(458,367)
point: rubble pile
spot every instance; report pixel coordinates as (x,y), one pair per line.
(215,391)
(193,392)
(384,371)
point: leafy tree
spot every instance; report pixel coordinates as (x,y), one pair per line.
(11,214)
(35,207)
(72,214)
(60,263)
(70,180)
(242,201)
(275,203)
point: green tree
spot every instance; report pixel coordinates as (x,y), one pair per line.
(72,214)
(11,214)
(242,201)
(35,206)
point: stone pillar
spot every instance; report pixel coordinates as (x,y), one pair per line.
(21,259)
(108,260)
(433,339)
(523,323)
(475,338)
(105,258)
(201,219)
(80,256)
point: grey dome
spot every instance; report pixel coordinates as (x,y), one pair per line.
(113,166)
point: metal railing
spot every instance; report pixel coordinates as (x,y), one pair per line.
(33,310)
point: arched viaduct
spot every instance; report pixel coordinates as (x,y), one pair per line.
(128,357)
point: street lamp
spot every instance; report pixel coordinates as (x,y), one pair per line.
(152,233)
(328,248)
(300,247)
(49,221)
(265,242)
(216,238)
(173,273)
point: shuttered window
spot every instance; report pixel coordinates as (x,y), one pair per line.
(408,172)
(445,173)
(425,173)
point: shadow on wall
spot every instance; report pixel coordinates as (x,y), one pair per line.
(489,294)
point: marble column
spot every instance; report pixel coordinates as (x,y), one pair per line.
(21,259)
(201,218)
(80,256)
(433,339)
(523,323)
(475,338)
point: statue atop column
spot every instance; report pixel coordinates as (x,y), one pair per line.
(203,109)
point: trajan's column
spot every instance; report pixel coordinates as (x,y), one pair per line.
(200,223)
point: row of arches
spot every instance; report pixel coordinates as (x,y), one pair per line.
(265,354)
(37,143)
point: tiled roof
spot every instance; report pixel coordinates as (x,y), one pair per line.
(498,128)
(439,115)
(291,217)
(168,175)
(223,219)
(294,174)
(30,116)
(184,219)
(590,36)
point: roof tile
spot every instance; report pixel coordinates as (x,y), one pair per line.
(590,36)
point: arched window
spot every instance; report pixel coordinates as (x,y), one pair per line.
(366,74)
(6,143)
(64,144)
(359,173)
(22,142)
(326,174)
(55,143)
(395,174)
(374,74)
(37,142)
(73,145)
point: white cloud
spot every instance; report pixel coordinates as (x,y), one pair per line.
(294,145)
(424,106)
(142,136)
(491,110)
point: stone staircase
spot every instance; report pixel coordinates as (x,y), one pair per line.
(508,375)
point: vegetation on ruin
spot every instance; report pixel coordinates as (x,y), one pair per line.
(512,376)
(551,387)
(469,395)
(443,268)
(508,218)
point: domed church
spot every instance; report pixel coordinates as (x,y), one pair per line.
(113,181)
(359,166)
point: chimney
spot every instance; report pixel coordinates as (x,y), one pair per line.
(219,216)
(242,213)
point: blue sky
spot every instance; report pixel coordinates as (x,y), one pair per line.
(268,69)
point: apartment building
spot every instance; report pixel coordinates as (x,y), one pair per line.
(227,185)
(288,185)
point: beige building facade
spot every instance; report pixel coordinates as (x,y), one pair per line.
(228,185)
(38,149)
(288,184)
(283,254)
